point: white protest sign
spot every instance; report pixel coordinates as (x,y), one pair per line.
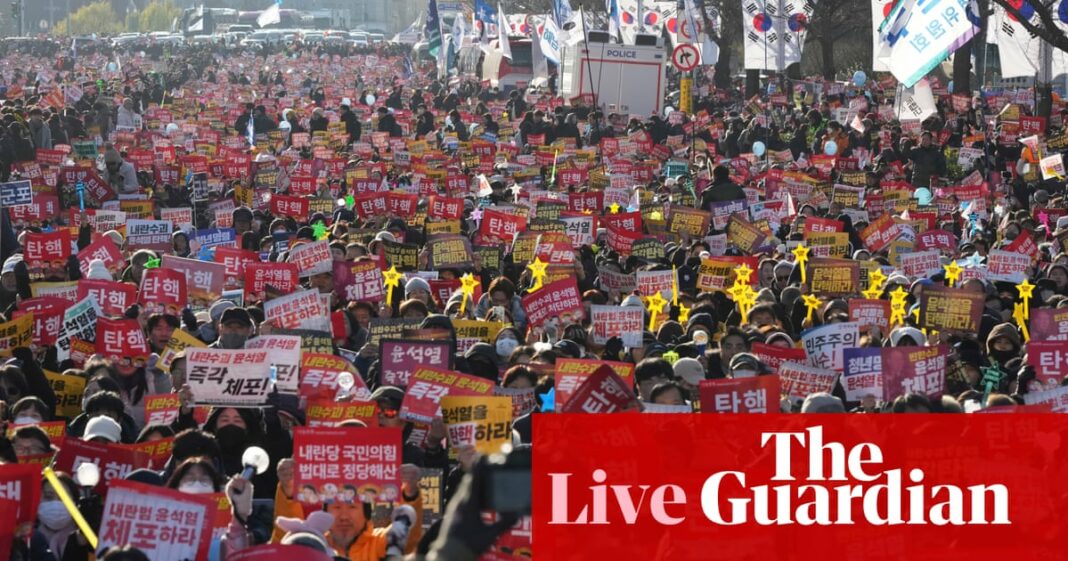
(283,353)
(228,377)
(299,310)
(312,258)
(824,344)
(624,322)
(79,322)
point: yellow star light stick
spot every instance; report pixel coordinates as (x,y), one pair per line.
(876,278)
(61,492)
(467,288)
(655,305)
(684,314)
(742,274)
(391,279)
(811,304)
(953,273)
(745,303)
(801,256)
(614,208)
(1019,313)
(537,272)
(674,285)
(897,306)
(1025,289)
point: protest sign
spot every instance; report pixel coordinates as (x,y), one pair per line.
(483,422)
(824,344)
(45,254)
(603,391)
(1049,324)
(163,291)
(312,258)
(328,412)
(449,251)
(745,236)
(833,277)
(559,301)
(149,234)
(426,387)
(755,394)
(944,308)
(321,375)
(772,355)
(378,328)
(79,322)
(359,282)
(112,297)
(403,256)
(880,232)
(625,322)
(868,313)
(283,354)
(1007,266)
(400,357)
(919,370)
(16,193)
(21,483)
(179,341)
(863,373)
(570,373)
(233,261)
(16,333)
(282,278)
(180,218)
(68,389)
(47,313)
(1050,359)
(921,264)
(122,340)
(114,461)
(228,377)
(684,220)
(204,280)
(331,462)
(523,399)
(299,310)
(105,250)
(798,380)
(1056,399)
(651,282)
(166,524)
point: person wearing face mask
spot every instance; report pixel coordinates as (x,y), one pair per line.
(507,341)
(56,527)
(235,429)
(235,327)
(1003,344)
(30,410)
(119,173)
(196,476)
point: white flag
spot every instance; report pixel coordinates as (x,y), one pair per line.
(907,44)
(879,10)
(541,67)
(917,103)
(549,41)
(774,32)
(502,33)
(574,28)
(271,15)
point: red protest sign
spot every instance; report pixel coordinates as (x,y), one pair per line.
(426,387)
(936,239)
(96,189)
(43,207)
(114,461)
(868,313)
(331,462)
(21,483)
(1050,359)
(166,524)
(773,356)
(445,208)
(880,233)
(295,207)
(501,225)
(121,339)
(815,225)
(755,394)
(359,282)
(320,375)
(328,412)
(163,291)
(919,370)
(602,392)
(283,277)
(234,259)
(47,313)
(203,279)
(158,451)
(112,296)
(400,357)
(105,250)
(570,373)
(560,301)
(46,255)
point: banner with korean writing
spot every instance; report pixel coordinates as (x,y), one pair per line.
(179,341)
(919,370)
(114,461)
(868,313)
(799,380)
(280,278)
(233,261)
(68,389)
(1050,359)
(685,220)
(754,394)
(559,301)
(426,387)
(105,250)
(328,412)
(16,193)
(228,377)
(359,282)
(944,308)
(479,421)
(299,310)
(312,258)
(122,340)
(16,333)
(602,392)
(149,234)
(21,483)
(163,291)
(1049,324)
(1007,266)
(824,344)
(204,280)
(625,322)
(570,373)
(880,232)
(45,254)
(79,322)
(449,251)
(347,464)
(1056,399)
(166,524)
(283,354)
(921,264)
(322,373)
(651,282)
(113,297)
(746,237)
(863,373)
(833,277)
(400,357)
(47,313)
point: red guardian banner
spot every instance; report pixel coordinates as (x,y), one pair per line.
(800,487)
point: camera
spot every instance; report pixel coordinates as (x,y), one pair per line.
(507,481)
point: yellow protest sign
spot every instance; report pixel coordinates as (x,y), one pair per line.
(480,421)
(485,331)
(16,333)
(180,341)
(68,390)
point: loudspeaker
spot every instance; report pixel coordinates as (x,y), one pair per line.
(597,37)
(645,40)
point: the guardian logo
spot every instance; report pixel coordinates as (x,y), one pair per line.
(867,495)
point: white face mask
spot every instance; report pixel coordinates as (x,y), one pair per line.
(26,420)
(53,515)
(744,373)
(196,488)
(506,346)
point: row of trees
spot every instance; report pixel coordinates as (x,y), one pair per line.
(101,18)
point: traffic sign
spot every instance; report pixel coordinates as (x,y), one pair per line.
(685,57)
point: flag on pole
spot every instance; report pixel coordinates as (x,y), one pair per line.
(486,16)
(541,67)
(271,15)
(502,33)
(774,32)
(432,30)
(561,12)
(575,28)
(907,43)
(614,22)
(549,41)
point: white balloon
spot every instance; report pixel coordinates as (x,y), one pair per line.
(370,99)
(759,148)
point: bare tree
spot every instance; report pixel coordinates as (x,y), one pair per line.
(832,21)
